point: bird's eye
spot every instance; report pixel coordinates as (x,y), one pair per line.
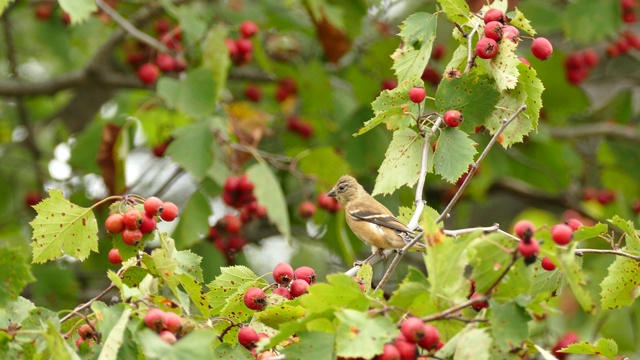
(342,187)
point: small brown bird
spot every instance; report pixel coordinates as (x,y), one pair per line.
(371,221)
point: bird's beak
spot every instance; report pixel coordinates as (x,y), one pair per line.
(332,193)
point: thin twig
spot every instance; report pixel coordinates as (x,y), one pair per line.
(458,232)
(580,252)
(87,304)
(471,55)
(396,260)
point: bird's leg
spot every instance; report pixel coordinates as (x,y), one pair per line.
(375,251)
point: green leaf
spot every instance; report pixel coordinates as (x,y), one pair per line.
(15,311)
(446,263)
(620,287)
(603,347)
(325,163)
(401,165)
(16,274)
(590,232)
(236,352)
(473,344)
(357,335)
(62,228)
(312,346)
(418,33)
(56,344)
(588,24)
(114,341)
(275,315)
(194,95)
(488,257)
(191,148)
(389,108)
(340,292)
(518,20)
(269,193)
(188,263)
(454,154)
(412,294)
(79,10)
(504,66)
(196,345)
(365,275)
(573,272)
(4,4)
(509,325)
(194,289)
(194,221)
(631,234)
(456,10)
(133,276)
(473,94)
(158,124)
(215,57)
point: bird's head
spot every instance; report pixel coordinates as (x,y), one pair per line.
(345,189)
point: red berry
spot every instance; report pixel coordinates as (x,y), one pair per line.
(412,329)
(236,243)
(148,73)
(389,84)
(431,76)
(32,198)
(169,211)
(528,248)
(406,349)
(299,288)
(452,118)
(486,48)
(439,50)
(232,224)
(171,321)
(305,273)
(477,306)
(524,61)
(131,237)
(431,337)
(254,299)
(628,5)
(590,56)
(389,352)
(114,257)
(168,337)
(132,219)
(328,203)
(493,30)
(574,224)
(306,209)
(245,46)
(114,223)
(605,196)
(568,339)
(547,264)
(180,64)
(494,15)
(148,223)
(541,48)
(284,292)
(629,17)
(417,94)
(232,47)
(152,205)
(253,92)
(561,234)
(524,229)
(44,10)
(244,184)
(511,32)
(85,331)
(248,29)
(81,341)
(162,26)
(283,274)
(153,319)
(248,337)
(165,62)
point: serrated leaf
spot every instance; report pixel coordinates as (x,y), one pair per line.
(631,234)
(401,165)
(194,221)
(456,10)
(473,94)
(115,339)
(357,335)
(504,66)
(340,292)
(269,193)
(509,325)
(15,311)
(62,228)
(621,286)
(488,255)
(56,344)
(236,352)
(603,347)
(194,289)
(312,346)
(79,10)
(275,315)
(589,232)
(188,263)
(215,56)
(454,154)
(518,20)
(473,344)
(445,263)
(574,275)
(16,274)
(365,274)
(418,33)
(191,148)
(133,276)
(389,107)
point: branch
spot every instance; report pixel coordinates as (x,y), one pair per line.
(595,129)
(396,260)
(581,252)
(458,232)
(87,304)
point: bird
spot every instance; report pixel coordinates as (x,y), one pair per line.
(371,221)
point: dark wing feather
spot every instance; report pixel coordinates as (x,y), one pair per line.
(388,221)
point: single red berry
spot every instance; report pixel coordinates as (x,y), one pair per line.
(131,237)
(628,5)
(389,352)
(417,95)
(148,223)
(306,209)
(171,321)
(283,274)
(494,15)
(165,62)
(245,46)
(438,52)
(180,64)
(591,56)
(253,92)
(605,196)
(407,349)
(232,224)
(493,30)
(114,223)
(132,219)
(524,229)
(547,264)
(232,47)
(85,331)
(160,149)
(248,29)
(169,211)
(152,205)
(168,337)
(162,26)
(629,17)
(431,76)
(81,341)
(248,337)
(574,224)
(452,118)
(486,48)
(479,305)
(148,73)
(32,198)
(511,32)
(299,288)
(541,48)
(561,234)
(254,299)
(153,319)
(389,84)
(114,257)
(431,337)
(305,273)
(528,248)
(244,184)
(412,329)
(236,243)
(66,18)
(566,340)
(43,10)
(284,292)
(524,61)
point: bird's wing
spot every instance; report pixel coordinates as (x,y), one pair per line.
(386,220)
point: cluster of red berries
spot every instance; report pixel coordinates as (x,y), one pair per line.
(413,334)
(248,338)
(288,283)
(167,324)
(328,203)
(627,41)
(496,29)
(286,87)
(300,127)
(578,64)
(252,92)
(602,196)
(561,234)
(629,8)
(133,223)
(44,11)
(241,49)
(87,335)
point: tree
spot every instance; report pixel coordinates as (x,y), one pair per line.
(165,168)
